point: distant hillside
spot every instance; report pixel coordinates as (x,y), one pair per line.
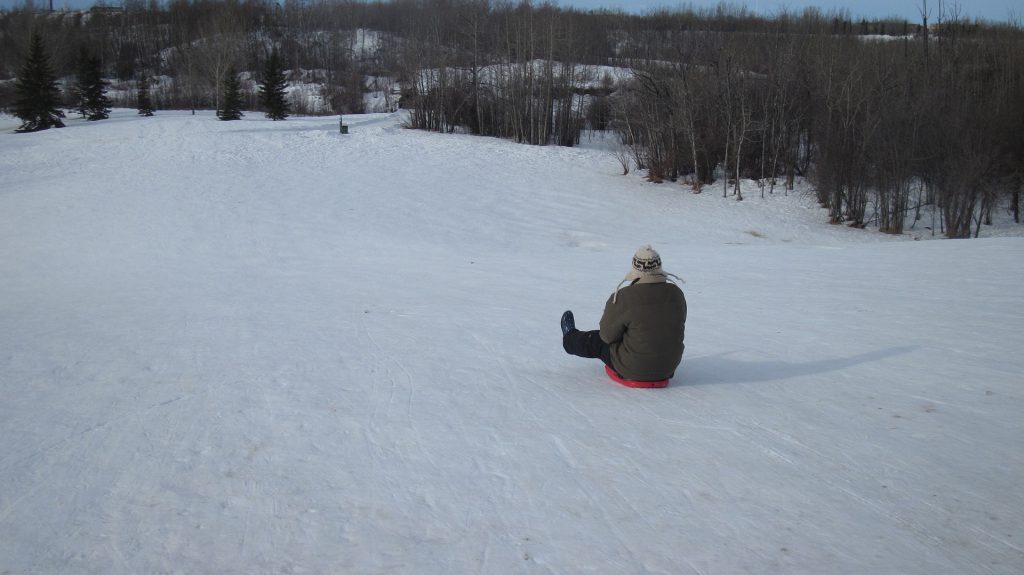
(931,117)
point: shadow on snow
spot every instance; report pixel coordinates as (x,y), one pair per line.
(717,368)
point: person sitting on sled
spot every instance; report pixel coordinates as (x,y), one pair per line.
(641,335)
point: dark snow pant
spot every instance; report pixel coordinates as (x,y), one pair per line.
(587,344)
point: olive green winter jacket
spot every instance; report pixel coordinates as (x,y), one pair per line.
(643,326)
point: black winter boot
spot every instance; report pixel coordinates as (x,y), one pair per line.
(568,323)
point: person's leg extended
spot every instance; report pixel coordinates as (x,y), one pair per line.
(586,344)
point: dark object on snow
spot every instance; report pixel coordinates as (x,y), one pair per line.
(568,322)
(342,126)
(37,93)
(586,344)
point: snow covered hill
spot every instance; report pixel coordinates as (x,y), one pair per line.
(258,347)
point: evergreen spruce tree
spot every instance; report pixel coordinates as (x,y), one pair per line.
(37,91)
(145,102)
(231,107)
(91,90)
(272,94)
(78,90)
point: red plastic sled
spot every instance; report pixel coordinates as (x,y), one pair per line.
(631,383)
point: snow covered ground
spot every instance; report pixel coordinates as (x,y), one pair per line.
(258,347)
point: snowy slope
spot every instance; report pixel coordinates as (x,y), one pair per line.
(257,347)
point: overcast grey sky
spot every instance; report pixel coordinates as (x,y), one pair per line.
(998,10)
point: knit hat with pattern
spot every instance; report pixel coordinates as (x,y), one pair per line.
(646,268)
(646,262)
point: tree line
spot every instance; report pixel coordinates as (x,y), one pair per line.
(882,128)
(37,94)
(885,117)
